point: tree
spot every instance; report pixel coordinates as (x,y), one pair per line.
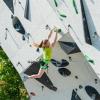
(11,85)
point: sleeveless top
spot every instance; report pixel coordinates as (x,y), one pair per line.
(47,53)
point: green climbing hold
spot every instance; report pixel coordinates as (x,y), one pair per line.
(58,30)
(62,15)
(56,3)
(89,59)
(75,6)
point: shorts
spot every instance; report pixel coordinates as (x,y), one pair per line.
(44,64)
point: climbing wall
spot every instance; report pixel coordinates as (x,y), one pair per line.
(69,76)
(65,78)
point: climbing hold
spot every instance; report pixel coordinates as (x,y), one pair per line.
(70,58)
(6,33)
(64,72)
(76,89)
(10,5)
(69,47)
(37,50)
(47,27)
(89,59)
(55,3)
(23,37)
(17,25)
(59,30)
(63,63)
(42,87)
(21,5)
(75,6)
(63,15)
(19,64)
(75,96)
(92,92)
(76,77)
(27,10)
(96,81)
(55,62)
(80,86)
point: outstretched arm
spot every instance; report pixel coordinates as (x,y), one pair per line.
(55,39)
(51,33)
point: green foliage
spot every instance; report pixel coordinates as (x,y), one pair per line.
(11,85)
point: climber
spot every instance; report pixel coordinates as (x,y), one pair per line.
(47,53)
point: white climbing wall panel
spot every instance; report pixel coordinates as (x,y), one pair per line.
(60,13)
